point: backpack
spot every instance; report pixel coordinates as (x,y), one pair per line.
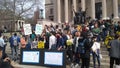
(81,48)
(15,43)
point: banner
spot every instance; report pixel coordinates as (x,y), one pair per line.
(27,29)
(38,29)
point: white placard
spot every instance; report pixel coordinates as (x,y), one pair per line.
(95,46)
(38,29)
(53,58)
(31,57)
(27,29)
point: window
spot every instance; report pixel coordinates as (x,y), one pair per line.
(51,11)
(119,8)
(79,1)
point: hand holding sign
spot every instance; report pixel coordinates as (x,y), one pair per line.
(27,29)
(38,29)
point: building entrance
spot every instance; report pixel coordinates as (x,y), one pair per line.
(98,10)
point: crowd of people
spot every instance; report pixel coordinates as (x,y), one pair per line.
(77,40)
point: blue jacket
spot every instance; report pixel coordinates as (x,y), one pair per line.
(60,42)
(11,40)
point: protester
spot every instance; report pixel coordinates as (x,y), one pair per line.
(96,31)
(5,40)
(2,43)
(23,42)
(32,36)
(114,51)
(15,40)
(60,41)
(96,54)
(4,62)
(87,50)
(70,48)
(76,50)
(34,44)
(29,41)
(52,41)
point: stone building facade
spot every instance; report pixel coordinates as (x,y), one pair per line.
(62,10)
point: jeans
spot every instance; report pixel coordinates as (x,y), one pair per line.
(70,55)
(112,60)
(77,58)
(4,49)
(94,59)
(85,62)
(15,52)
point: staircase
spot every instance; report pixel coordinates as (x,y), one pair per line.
(104,61)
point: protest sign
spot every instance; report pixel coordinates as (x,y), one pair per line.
(31,57)
(38,29)
(43,57)
(27,29)
(53,58)
(95,46)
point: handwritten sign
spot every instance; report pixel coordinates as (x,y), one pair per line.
(95,46)
(27,29)
(53,58)
(38,29)
(31,56)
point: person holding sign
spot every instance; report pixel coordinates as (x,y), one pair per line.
(38,29)
(96,52)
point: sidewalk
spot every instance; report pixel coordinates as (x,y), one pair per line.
(16,65)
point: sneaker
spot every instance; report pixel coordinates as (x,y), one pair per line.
(72,65)
(76,66)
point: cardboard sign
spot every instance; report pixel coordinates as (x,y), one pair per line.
(38,29)
(27,29)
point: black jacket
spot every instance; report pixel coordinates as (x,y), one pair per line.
(87,47)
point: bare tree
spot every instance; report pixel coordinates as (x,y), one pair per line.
(19,8)
(12,10)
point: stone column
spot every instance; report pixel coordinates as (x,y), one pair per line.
(75,5)
(104,10)
(83,5)
(93,9)
(66,11)
(115,9)
(59,10)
